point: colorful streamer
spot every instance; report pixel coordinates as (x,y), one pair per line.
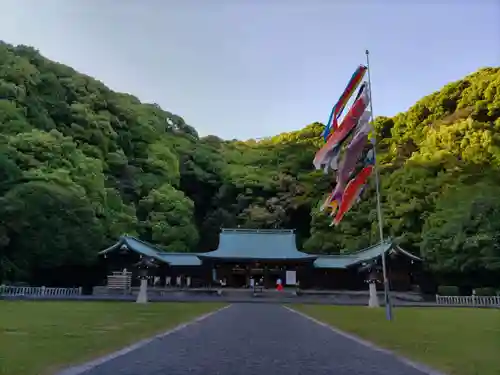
(340,194)
(338,108)
(355,148)
(352,176)
(333,200)
(327,202)
(352,192)
(352,156)
(328,154)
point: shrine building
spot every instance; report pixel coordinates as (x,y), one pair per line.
(265,255)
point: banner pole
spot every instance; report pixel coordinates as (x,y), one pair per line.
(387,298)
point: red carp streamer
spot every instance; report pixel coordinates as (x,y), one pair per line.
(352,192)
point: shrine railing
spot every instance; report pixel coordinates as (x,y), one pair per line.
(479,301)
(8,290)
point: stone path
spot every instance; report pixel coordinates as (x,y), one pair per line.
(254,339)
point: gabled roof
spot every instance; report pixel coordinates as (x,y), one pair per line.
(146,249)
(133,244)
(263,244)
(246,244)
(365,255)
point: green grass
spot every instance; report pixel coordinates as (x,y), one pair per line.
(37,338)
(455,341)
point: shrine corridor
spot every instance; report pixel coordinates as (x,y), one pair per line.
(253,339)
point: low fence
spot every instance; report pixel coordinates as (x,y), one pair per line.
(7,290)
(479,301)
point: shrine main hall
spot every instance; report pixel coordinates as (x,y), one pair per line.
(266,255)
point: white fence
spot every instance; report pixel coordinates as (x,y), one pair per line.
(479,301)
(7,290)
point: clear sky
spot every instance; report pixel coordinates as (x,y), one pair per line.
(254,68)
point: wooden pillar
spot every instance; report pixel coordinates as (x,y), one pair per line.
(248,267)
(266,276)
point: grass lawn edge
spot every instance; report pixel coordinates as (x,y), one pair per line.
(62,335)
(425,369)
(108,355)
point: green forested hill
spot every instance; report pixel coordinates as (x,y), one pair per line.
(80,165)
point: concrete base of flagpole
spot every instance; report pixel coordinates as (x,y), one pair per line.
(142,297)
(373,300)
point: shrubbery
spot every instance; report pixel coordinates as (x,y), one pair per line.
(448,290)
(487,291)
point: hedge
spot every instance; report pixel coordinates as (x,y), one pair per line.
(448,290)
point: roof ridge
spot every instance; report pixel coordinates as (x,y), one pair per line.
(371,247)
(358,251)
(186,254)
(157,249)
(257,231)
(335,255)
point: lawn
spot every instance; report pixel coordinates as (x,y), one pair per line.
(37,338)
(455,341)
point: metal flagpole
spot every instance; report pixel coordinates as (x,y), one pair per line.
(387,299)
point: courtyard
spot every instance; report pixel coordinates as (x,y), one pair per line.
(42,338)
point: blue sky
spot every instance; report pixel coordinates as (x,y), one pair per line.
(254,68)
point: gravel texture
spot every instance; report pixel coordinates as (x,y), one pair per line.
(254,339)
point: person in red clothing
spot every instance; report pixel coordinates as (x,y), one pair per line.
(279,285)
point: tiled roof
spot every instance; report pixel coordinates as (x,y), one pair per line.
(257,244)
(347,260)
(143,248)
(181,259)
(246,244)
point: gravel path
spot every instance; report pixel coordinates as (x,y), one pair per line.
(254,339)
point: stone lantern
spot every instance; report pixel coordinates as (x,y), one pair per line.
(144,267)
(372,271)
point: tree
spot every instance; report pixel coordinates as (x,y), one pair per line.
(167,219)
(462,235)
(72,147)
(47,226)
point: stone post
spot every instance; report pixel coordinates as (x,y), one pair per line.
(143,266)
(142,297)
(372,288)
(373,300)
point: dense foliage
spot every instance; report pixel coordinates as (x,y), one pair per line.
(80,165)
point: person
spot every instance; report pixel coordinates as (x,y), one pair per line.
(222,283)
(279,285)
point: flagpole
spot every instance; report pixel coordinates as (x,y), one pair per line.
(387,299)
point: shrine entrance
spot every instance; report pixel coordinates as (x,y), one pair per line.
(266,274)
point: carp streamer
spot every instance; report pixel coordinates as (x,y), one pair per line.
(354,164)
(338,108)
